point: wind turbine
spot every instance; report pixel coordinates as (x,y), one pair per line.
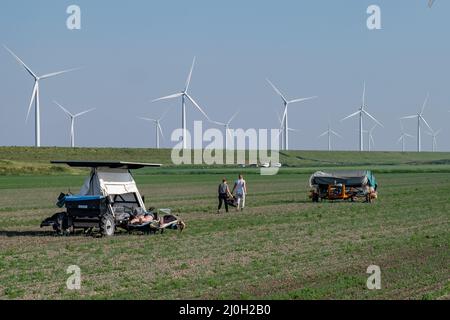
(403,137)
(330,133)
(36,94)
(284,120)
(361,112)
(280,133)
(157,127)
(226,128)
(184,95)
(420,119)
(434,135)
(72,121)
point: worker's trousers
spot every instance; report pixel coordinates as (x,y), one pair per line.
(240,201)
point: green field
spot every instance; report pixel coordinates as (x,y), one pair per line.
(281,247)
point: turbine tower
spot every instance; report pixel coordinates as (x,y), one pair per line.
(286,103)
(36,94)
(434,136)
(361,112)
(226,128)
(330,133)
(403,137)
(184,95)
(420,119)
(158,128)
(72,118)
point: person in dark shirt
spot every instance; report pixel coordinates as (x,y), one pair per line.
(224,193)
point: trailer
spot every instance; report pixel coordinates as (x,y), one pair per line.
(343,185)
(109,199)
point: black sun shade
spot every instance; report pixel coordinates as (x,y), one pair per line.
(107,164)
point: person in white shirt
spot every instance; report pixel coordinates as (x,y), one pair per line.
(240,190)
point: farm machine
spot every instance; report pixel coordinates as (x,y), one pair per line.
(109,199)
(343,185)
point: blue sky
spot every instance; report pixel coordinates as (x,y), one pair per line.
(132,52)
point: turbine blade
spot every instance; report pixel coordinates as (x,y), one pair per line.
(160,129)
(284,116)
(425,103)
(21,62)
(53,74)
(302,99)
(408,135)
(147,119)
(197,106)
(278,116)
(33,95)
(84,112)
(336,134)
(323,134)
(371,117)
(188,81)
(218,123)
(229,133)
(234,116)
(172,96)
(164,114)
(364,95)
(409,117)
(352,115)
(277,91)
(63,109)
(425,121)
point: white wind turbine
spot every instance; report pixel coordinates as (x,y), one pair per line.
(361,112)
(36,94)
(226,128)
(280,133)
(420,119)
(403,137)
(330,132)
(434,136)
(286,103)
(184,95)
(158,127)
(72,118)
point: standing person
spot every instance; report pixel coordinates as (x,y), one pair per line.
(240,186)
(224,193)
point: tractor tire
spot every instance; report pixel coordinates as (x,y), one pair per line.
(58,226)
(107,225)
(315,198)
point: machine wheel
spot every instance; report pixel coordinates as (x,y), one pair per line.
(107,225)
(315,197)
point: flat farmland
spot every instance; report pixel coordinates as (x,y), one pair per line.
(281,247)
